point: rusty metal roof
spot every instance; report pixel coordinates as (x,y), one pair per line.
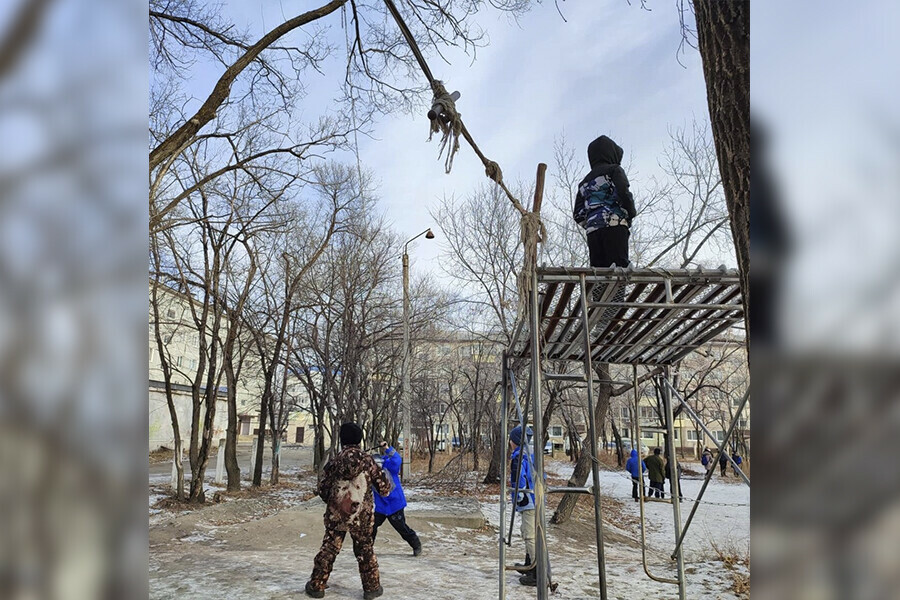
(635,316)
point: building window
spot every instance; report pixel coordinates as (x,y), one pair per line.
(676,434)
(647,435)
(626,412)
(167,339)
(647,412)
(192,363)
(720,435)
(171,313)
(151,354)
(556,431)
(178,361)
(626,433)
(742,423)
(692,435)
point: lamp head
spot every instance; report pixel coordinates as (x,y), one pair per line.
(429,235)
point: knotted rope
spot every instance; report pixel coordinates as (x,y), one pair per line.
(448,123)
(532,232)
(450,128)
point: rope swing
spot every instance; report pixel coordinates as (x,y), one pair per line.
(446,120)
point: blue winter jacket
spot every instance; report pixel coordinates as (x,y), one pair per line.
(632,465)
(525,500)
(395,500)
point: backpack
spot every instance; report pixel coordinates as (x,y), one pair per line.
(705,459)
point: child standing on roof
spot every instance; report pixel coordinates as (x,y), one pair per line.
(604,205)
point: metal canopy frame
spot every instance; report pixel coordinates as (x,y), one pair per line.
(650,317)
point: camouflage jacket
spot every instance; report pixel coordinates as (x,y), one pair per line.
(346,488)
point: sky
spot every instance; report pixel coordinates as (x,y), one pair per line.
(608,68)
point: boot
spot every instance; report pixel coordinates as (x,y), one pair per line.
(312,592)
(373,594)
(526,563)
(417,548)
(529,579)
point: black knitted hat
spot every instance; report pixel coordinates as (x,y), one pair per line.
(351,434)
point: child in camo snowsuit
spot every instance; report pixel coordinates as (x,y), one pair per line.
(346,489)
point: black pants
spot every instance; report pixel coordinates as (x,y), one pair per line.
(635,482)
(398,522)
(680,491)
(608,246)
(657,488)
(724,467)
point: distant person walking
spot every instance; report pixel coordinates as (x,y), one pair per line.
(737,462)
(707,460)
(391,506)
(657,471)
(669,477)
(723,463)
(635,466)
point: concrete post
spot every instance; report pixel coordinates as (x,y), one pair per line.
(404,379)
(220,462)
(253,455)
(175,457)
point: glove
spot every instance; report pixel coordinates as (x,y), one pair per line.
(523,499)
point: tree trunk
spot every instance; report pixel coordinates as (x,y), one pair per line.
(260,440)
(620,447)
(583,466)
(231,432)
(276,459)
(493,472)
(723,35)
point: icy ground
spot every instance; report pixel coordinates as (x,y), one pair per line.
(263,547)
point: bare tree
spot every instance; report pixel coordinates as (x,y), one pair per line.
(270,72)
(288,258)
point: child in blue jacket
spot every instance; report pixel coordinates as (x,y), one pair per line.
(391,507)
(632,467)
(524,501)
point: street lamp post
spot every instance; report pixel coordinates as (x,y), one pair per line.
(407,419)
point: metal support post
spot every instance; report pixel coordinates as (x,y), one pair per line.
(709,474)
(637,444)
(540,524)
(407,419)
(592,431)
(693,415)
(504,409)
(673,470)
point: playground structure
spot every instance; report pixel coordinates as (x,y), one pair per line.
(636,317)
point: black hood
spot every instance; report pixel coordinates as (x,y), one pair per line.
(604,151)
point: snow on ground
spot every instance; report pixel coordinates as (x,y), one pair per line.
(723,516)
(264,548)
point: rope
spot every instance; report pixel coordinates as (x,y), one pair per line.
(491,168)
(450,127)
(532,231)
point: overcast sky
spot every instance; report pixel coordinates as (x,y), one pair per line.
(610,68)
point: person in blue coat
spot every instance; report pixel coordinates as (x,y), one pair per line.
(632,467)
(391,507)
(524,500)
